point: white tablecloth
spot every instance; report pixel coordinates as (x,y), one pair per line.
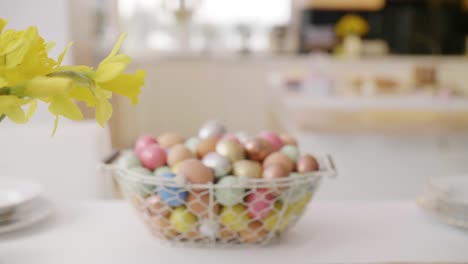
(330,232)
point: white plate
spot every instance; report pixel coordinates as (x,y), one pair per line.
(15,192)
(27,215)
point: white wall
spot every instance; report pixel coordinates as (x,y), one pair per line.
(51,18)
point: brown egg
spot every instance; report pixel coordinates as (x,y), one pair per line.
(281,159)
(168,140)
(156,207)
(258,149)
(195,171)
(288,140)
(206,146)
(226,234)
(231,150)
(198,203)
(192,235)
(307,163)
(274,171)
(162,226)
(254,233)
(179,153)
(248,168)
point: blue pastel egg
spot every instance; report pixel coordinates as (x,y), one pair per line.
(173,196)
(228,192)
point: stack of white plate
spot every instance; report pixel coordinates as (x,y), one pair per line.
(447,199)
(21,204)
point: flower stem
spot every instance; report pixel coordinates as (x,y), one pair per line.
(2,117)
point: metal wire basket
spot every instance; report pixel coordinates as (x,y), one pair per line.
(191,214)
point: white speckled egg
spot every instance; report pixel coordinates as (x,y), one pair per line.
(220,165)
(211,129)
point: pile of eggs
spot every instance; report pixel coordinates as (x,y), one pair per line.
(212,202)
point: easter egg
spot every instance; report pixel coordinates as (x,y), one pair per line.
(277,220)
(198,203)
(128,159)
(168,140)
(242,136)
(206,146)
(274,171)
(156,207)
(247,168)
(260,203)
(274,140)
(192,143)
(279,158)
(257,149)
(220,165)
(143,142)
(225,192)
(230,137)
(211,129)
(231,150)
(208,228)
(291,151)
(179,153)
(226,234)
(173,196)
(195,171)
(176,168)
(254,233)
(288,140)
(161,170)
(182,220)
(235,217)
(152,157)
(307,163)
(298,207)
(142,189)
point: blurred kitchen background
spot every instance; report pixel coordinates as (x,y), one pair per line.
(382,85)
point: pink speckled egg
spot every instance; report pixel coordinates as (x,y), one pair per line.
(230,137)
(152,157)
(142,142)
(274,140)
(260,203)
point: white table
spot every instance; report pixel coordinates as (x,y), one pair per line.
(331,232)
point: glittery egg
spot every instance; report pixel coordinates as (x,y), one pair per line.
(247,168)
(254,233)
(211,129)
(274,140)
(208,228)
(156,207)
(279,158)
(182,220)
(220,165)
(159,171)
(198,203)
(274,171)
(179,153)
(307,163)
(260,203)
(235,217)
(206,146)
(226,194)
(195,171)
(277,220)
(128,159)
(288,140)
(291,151)
(173,196)
(152,157)
(257,149)
(168,140)
(231,150)
(192,143)
(143,142)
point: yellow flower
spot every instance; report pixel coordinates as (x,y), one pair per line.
(11,106)
(351,24)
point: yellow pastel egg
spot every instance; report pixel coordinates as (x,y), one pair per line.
(298,207)
(182,220)
(271,221)
(235,217)
(176,168)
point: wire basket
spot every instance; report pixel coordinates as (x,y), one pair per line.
(181,213)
